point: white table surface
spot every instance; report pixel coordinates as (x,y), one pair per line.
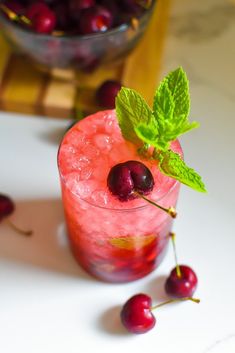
(47,303)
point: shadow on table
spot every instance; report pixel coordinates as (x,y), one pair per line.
(110,322)
(47,248)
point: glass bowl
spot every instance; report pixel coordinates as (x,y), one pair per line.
(82,52)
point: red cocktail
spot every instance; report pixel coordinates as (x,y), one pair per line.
(112,240)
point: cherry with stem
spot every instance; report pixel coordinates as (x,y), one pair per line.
(137,313)
(7,207)
(182,281)
(132,179)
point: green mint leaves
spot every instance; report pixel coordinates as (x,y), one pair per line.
(132,111)
(172,165)
(159,126)
(171,108)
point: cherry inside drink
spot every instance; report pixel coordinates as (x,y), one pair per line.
(112,240)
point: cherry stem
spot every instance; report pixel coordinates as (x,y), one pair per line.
(175,301)
(13,16)
(178,271)
(27,233)
(171,211)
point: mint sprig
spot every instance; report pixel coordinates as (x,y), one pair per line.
(159,126)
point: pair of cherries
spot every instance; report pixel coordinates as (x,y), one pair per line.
(127,181)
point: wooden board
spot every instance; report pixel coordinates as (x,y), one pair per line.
(26,90)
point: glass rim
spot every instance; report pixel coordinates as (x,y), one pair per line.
(133,209)
(121,28)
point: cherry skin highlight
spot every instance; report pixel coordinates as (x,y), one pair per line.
(181,286)
(95,19)
(136,314)
(126,178)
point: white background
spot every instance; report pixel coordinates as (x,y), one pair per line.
(47,303)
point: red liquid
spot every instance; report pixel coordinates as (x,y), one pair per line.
(112,240)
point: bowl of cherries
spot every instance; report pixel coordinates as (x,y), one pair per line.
(78,34)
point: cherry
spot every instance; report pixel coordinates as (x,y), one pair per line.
(133,179)
(131,6)
(43,19)
(113,8)
(35,9)
(126,178)
(95,19)
(182,281)
(7,207)
(78,5)
(44,22)
(183,285)
(136,314)
(61,11)
(107,92)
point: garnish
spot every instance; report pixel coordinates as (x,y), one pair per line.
(158,127)
(133,179)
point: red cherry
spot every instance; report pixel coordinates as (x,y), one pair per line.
(131,6)
(95,19)
(78,5)
(107,93)
(126,178)
(133,179)
(113,8)
(6,206)
(35,9)
(61,11)
(44,22)
(136,314)
(183,285)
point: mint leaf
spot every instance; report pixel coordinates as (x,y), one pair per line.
(171,107)
(178,85)
(172,165)
(147,133)
(132,110)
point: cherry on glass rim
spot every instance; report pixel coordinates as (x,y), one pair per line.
(132,179)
